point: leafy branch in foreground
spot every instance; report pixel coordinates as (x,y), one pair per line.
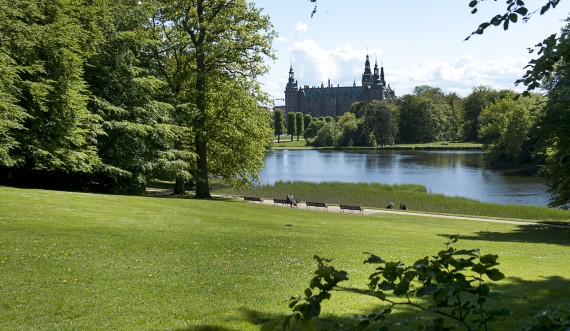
(449,285)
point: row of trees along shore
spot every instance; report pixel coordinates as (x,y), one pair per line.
(102,95)
(499,119)
(513,129)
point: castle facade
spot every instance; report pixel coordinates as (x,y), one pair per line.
(336,100)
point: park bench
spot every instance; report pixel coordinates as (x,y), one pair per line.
(253,199)
(280,202)
(317,205)
(350,208)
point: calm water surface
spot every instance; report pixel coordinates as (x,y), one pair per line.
(453,173)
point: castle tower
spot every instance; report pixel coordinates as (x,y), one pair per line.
(367,75)
(376,78)
(291,90)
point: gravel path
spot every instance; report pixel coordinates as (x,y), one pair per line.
(368,211)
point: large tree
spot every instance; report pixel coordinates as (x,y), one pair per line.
(140,139)
(43,48)
(479,98)
(381,118)
(206,42)
(505,131)
(278,123)
(291,124)
(299,124)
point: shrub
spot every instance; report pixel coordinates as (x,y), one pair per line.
(450,283)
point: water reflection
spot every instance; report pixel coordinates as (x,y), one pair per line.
(453,173)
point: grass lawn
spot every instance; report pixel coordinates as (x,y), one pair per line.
(71,261)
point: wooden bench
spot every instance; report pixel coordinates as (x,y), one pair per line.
(317,205)
(351,208)
(280,202)
(253,199)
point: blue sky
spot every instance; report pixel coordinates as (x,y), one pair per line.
(419,42)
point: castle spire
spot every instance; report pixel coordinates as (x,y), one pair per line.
(367,75)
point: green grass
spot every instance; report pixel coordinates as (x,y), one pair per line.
(71,261)
(287,144)
(415,197)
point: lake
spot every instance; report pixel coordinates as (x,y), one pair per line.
(452,173)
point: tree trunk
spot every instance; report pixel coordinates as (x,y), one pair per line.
(179,186)
(202,181)
(202,171)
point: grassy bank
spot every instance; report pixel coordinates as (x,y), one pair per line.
(74,261)
(437,145)
(415,197)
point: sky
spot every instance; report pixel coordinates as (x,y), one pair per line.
(419,42)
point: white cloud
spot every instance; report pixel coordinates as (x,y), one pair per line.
(314,64)
(301,28)
(459,75)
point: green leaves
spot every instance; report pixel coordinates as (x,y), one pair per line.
(306,308)
(450,282)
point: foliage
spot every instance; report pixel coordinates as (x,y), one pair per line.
(505,130)
(299,124)
(557,319)
(12,116)
(451,283)
(313,127)
(44,46)
(240,134)
(278,123)
(555,131)
(202,46)
(420,119)
(328,135)
(479,98)
(307,119)
(381,119)
(140,139)
(291,124)
(348,125)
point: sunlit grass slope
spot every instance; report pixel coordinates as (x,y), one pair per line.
(72,261)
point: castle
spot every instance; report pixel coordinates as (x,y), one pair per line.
(335,101)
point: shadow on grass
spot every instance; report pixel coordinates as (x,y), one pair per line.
(559,235)
(206,328)
(525,299)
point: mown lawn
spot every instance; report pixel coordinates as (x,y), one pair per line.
(71,261)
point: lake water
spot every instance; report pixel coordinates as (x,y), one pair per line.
(453,173)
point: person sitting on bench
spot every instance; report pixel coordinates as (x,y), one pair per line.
(292,201)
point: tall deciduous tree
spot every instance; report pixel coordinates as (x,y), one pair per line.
(279,124)
(291,124)
(555,132)
(421,119)
(473,105)
(44,46)
(299,124)
(205,42)
(504,129)
(381,119)
(140,140)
